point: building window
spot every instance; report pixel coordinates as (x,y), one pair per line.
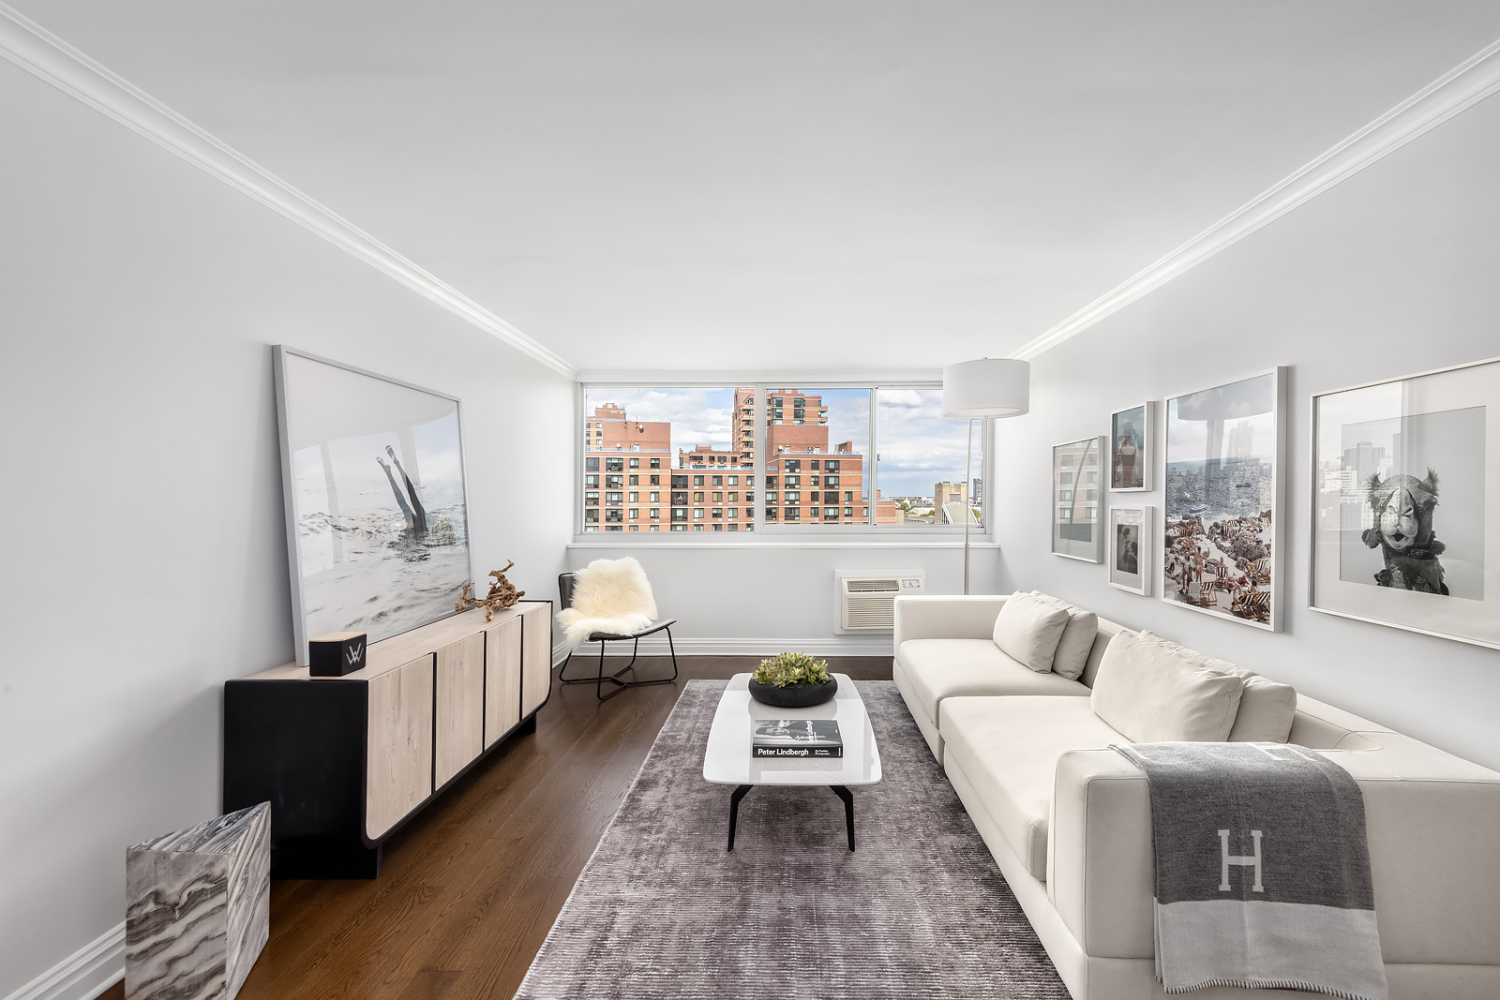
(771,497)
(698,497)
(679,514)
(655,497)
(734,480)
(791,497)
(614,515)
(635,498)
(697,480)
(635,514)
(718,513)
(614,482)
(591,499)
(656,513)
(697,513)
(635,480)
(591,481)
(680,498)
(734,512)
(792,514)
(614,465)
(1065,494)
(770,513)
(1065,513)
(830,513)
(613,499)
(655,464)
(635,463)
(591,516)
(591,465)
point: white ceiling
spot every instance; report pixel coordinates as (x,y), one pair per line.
(779,184)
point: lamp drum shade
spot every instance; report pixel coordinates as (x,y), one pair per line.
(989,387)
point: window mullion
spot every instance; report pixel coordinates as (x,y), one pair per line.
(760,458)
(871,511)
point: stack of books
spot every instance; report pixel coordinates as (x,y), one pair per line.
(796,738)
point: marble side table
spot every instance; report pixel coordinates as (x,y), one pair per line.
(198,908)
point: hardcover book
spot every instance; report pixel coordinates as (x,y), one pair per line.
(796,738)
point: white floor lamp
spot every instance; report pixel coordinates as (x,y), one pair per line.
(974,390)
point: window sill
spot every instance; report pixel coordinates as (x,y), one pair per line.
(863,541)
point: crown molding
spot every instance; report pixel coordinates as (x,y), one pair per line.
(1450,94)
(49,58)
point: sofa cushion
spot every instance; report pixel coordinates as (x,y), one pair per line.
(1008,749)
(1154,696)
(947,668)
(1266,710)
(1028,629)
(1077,638)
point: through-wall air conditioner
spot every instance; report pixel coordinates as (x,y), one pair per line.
(867,601)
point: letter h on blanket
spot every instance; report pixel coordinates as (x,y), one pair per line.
(1243,860)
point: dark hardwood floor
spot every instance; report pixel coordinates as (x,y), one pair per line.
(472,885)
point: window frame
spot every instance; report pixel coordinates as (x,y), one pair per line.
(778,531)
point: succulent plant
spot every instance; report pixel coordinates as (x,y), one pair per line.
(786,669)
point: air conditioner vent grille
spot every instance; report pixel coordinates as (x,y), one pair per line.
(868,603)
(865,586)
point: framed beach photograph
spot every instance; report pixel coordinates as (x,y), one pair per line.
(1132,437)
(1406,503)
(1076,486)
(376,508)
(1130,559)
(1221,550)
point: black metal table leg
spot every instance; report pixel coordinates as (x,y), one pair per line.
(848,797)
(734,809)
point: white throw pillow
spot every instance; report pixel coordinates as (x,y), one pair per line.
(1077,639)
(1151,695)
(1027,630)
(1266,710)
(1266,706)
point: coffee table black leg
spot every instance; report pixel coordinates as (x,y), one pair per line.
(734,811)
(848,798)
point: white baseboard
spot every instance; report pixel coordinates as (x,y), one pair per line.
(83,975)
(656,645)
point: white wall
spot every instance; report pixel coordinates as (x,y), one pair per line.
(145,555)
(756,598)
(1394,272)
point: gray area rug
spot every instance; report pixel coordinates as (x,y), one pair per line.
(662,910)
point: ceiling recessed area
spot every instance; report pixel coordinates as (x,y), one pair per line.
(778,185)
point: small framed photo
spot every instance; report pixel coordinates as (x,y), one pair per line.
(1132,448)
(1130,548)
(1076,526)
(1406,503)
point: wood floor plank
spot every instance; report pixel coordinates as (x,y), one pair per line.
(472,885)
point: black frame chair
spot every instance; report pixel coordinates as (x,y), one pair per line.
(565,584)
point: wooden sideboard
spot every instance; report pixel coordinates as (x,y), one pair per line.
(345,761)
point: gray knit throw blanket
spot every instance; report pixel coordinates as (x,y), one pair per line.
(1262,870)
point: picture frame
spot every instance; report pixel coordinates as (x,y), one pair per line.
(1077,528)
(1132,448)
(376,496)
(1131,556)
(1222,514)
(1406,503)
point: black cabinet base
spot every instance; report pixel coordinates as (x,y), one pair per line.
(325,858)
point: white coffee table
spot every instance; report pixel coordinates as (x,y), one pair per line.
(728,760)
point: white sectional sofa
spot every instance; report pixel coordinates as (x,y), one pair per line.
(1068,821)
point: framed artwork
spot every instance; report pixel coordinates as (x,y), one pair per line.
(1130,558)
(1132,437)
(1221,549)
(1406,503)
(372,471)
(1076,526)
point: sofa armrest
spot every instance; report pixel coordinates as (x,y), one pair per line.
(1099,853)
(1429,817)
(946,617)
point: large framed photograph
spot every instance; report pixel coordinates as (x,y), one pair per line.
(1406,509)
(1132,437)
(376,510)
(1076,526)
(1221,550)
(1130,559)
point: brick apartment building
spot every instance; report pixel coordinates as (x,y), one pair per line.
(629,481)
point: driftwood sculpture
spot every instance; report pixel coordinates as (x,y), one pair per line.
(502,594)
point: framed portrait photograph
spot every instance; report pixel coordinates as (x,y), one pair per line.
(376,507)
(1076,486)
(1130,558)
(1221,550)
(1406,503)
(1132,436)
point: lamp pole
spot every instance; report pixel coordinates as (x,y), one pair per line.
(968,511)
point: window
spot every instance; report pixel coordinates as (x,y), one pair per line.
(1065,494)
(819,456)
(655,514)
(829,431)
(920,476)
(614,515)
(1065,513)
(635,514)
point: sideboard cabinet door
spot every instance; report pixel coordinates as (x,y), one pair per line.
(399,749)
(502,678)
(536,655)
(460,706)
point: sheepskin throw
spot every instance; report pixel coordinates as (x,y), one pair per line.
(611,595)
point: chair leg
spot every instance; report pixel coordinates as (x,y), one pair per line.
(601,678)
(673,649)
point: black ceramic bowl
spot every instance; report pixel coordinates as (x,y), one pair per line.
(793,695)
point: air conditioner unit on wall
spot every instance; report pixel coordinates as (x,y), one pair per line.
(867,601)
